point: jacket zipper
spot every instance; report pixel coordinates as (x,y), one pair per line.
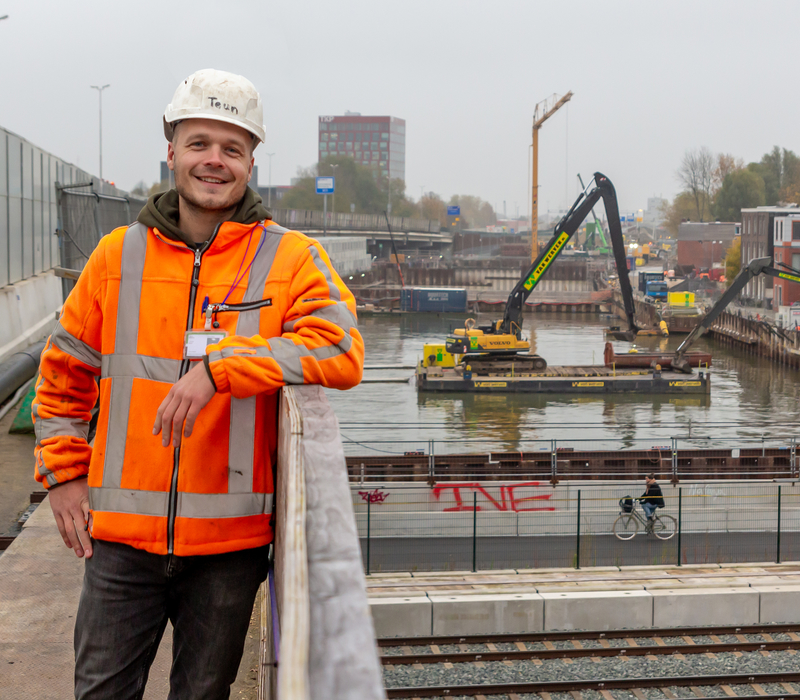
(249,306)
(185,364)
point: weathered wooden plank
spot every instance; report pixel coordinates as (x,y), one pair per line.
(291,557)
(343,657)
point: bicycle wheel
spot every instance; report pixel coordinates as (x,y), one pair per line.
(664,526)
(625,527)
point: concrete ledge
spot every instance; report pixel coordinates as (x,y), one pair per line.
(402,617)
(705,606)
(597,610)
(487,614)
(27,312)
(779,603)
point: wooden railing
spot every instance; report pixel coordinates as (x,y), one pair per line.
(327,644)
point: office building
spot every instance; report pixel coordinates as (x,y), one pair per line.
(377,142)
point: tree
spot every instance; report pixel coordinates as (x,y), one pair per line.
(725,165)
(733,259)
(770,168)
(741,188)
(696,174)
(790,187)
(683,208)
(475,213)
(432,206)
(157,187)
(140,189)
(355,185)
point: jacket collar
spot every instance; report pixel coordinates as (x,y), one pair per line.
(161,212)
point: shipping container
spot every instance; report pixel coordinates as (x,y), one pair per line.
(450,299)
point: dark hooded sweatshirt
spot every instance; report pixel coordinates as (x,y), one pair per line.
(161,212)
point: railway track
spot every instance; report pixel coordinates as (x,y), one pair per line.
(595,646)
(696,684)
(539,645)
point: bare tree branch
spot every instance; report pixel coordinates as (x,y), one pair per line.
(696,174)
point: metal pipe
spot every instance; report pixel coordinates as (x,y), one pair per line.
(578,535)
(680,521)
(18,369)
(368,533)
(778,538)
(474,530)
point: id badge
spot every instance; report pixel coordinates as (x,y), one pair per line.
(196,342)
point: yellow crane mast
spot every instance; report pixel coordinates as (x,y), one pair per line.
(543,111)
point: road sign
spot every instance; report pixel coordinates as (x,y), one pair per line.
(325,185)
(453,211)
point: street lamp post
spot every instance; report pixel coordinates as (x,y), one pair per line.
(333,203)
(100,95)
(269,188)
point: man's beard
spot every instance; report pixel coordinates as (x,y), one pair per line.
(204,202)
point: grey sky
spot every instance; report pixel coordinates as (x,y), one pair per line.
(650,81)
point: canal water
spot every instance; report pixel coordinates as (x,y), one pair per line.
(752,401)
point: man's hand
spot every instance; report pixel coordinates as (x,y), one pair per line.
(183,403)
(70,504)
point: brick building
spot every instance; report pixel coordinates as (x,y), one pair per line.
(704,245)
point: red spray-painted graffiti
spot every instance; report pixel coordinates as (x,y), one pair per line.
(375,496)
(506,500)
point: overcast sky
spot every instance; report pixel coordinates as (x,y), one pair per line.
(651,80)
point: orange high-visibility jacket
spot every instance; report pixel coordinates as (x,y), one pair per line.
(292,321)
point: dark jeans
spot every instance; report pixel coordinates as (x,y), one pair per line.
(127,597)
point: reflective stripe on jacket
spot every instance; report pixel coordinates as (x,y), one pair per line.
(122,332)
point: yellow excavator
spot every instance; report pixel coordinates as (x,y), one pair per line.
(500,345)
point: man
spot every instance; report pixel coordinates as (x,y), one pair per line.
(651,499)
(187,323)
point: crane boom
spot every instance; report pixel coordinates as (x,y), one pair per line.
(564,230)
(541,113)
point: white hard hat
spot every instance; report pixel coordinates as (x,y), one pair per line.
(217,94)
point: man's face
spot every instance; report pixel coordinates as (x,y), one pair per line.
(212,161)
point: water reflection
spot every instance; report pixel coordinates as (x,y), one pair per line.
(749,395)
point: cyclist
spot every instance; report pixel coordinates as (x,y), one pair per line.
(651,499)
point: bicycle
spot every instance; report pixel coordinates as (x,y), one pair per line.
(627,523)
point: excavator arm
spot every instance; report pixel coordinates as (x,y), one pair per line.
(566,228)
(757,266)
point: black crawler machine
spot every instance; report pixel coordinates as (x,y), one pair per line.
(496,346)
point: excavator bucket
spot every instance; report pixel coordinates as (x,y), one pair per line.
(628,335)
(681,364)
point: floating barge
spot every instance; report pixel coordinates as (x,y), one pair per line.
(591,379)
